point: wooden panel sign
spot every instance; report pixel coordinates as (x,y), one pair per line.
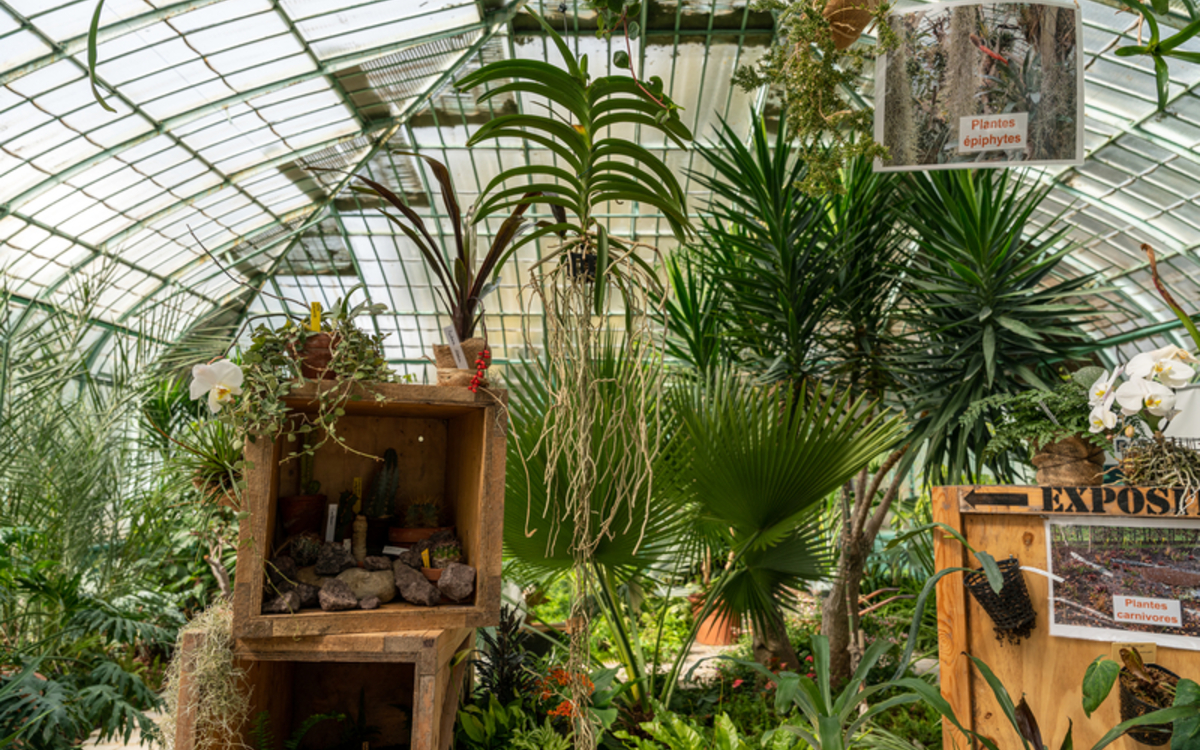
(1047,667)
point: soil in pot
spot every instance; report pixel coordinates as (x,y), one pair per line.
(1012,612)
(1073,462)
(401,536)
(1139,698)
(448,371)
(301,513)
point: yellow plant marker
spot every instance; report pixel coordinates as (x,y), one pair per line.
(425,558)
(314,320)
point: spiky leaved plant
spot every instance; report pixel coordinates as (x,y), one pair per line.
(504,667)
(380,501)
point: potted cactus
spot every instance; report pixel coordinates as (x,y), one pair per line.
(303,512)
(420,522)
(380,502)
(442,554)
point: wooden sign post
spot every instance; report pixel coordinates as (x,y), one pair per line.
(1047,669)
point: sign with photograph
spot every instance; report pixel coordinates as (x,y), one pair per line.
(1117,577)
(976,84)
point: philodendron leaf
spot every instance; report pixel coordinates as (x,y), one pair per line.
(992,570)
(1186,734)
(1098,681)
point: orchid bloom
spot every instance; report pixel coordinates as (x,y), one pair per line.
(1102,389)
(222,380)
(1102,418)
(1138,393)
(1166,364)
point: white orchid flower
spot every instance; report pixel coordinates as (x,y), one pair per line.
(1102,418)
(1136,394)
(222,380)
(1102,389)
(1170,358)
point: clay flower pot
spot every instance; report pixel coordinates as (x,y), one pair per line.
(398,535)
(433,574)
(316,356)
(1072,462)
(848,19)
(718,629)
(448,372)
(301,513)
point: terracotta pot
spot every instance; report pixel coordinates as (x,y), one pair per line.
(718,629)
(397,535)
(378,532)
(301,513)
(848,19)
(1073,462)
(317,354)
(433,574)
(214,493)
(448,372)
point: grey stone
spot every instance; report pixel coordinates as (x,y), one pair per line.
(336,596)
(308,595)
(286,603)
(371,602)
(309,576)
(457,581)
(415,587)
(377,562)
(411,559)
(333,560)
(281,574)
(368,583)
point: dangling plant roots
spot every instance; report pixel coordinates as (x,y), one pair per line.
(218,706)
(1163,462)
(580,420)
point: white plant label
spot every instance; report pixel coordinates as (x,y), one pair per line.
(993,132)
(331,522)
(394,551)
(460,359)
(1136,609)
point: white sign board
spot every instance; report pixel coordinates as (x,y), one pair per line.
(1139,610)
(981,84)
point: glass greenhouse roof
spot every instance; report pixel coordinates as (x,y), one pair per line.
(224,107)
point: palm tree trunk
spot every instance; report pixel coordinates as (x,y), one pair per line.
(772,648)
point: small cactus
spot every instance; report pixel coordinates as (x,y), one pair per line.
(445,553)
(305,548)
(345,516)
(381,500)
(307,485)
(422,515)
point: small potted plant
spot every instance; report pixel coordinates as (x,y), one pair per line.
(441,555)
(380,501)
(1143,689)
(420,522)
(212,455)
(1051,427)
(303,512)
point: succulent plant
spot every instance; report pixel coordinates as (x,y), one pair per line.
(423,515)
(305,548)
(308,486)
(381,500)
(345,516)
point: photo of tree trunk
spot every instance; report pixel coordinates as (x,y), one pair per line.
(981,85)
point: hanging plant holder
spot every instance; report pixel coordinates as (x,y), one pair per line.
(1011,610)
(1132,707)
(1072,462)
(448,372)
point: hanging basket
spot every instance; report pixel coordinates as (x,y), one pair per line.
(1073,462)
(1133,707)
(848,19)
(1011,610)
(448,372)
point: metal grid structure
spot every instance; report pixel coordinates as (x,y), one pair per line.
(224,106)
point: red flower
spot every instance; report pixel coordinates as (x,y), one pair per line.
(808,659)
(810,675)
(738,683)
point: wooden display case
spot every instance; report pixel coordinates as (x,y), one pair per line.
(407,683)
(1046,669)
(451,444)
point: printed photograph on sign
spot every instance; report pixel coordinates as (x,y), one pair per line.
(1119,576)
(981,85)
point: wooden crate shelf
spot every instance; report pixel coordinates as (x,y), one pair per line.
(451,444)
(408,684)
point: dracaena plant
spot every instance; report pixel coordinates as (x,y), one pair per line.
(593,166)
(462,278)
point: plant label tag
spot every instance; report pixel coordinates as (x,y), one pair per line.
(1140,610)
(460,359)
(993,132)
(425,558)
(346,544)
(314,320)
(1148,651)
(331,514)
(394,551)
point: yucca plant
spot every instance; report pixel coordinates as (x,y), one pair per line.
(988,317)
(597,168)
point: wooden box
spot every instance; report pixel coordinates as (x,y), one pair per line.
(451,444)
(1046,669)
(407,683)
